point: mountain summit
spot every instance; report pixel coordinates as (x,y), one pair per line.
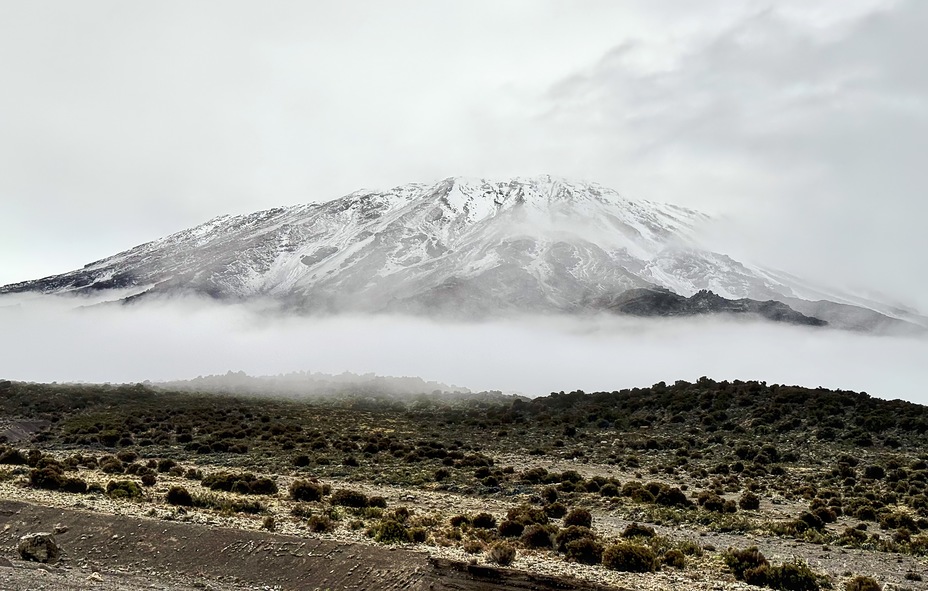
(463,247)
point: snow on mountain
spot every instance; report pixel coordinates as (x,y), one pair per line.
(462,246)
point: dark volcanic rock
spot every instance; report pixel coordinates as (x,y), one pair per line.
(657,302)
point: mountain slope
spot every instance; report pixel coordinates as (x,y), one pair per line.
(467,247)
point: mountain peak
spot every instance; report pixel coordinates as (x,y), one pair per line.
(464,246)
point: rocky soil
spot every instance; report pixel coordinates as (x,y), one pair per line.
(104,551)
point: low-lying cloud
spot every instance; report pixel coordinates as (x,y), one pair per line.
(52,339)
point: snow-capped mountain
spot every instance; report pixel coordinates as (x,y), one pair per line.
(466,247)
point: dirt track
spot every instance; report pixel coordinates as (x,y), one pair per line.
(118,552)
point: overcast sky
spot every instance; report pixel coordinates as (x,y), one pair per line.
(804,124)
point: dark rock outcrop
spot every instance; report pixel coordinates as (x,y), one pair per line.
(663,303)
(39,547)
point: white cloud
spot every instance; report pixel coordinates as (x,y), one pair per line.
(46,339)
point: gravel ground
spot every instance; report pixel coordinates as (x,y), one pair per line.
(123,572)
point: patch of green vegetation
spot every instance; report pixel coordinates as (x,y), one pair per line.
(123,489)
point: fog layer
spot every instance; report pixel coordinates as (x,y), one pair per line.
(50,339)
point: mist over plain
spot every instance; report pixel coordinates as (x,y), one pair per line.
(63,339)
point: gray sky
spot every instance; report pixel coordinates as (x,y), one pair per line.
(804,124)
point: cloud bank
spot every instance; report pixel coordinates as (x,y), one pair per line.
(48,339)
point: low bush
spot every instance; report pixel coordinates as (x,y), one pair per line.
(792,576)
(228,506)
(244,483)
(898,519)
(861,583)
(750,566)
(636,530)
(537,536)
(127,456)
(262,486)
(178,495)
(304,490)
(418,534)
(674,558)
(166,465)
(473,546)
(580,517)
(390,531)
(749,501)
(502,553)
(510,529)
(112,465)
(74,485)
(555,510)
(534,475)
(811,520)
(711,502)
(123,489)
(527,515)
(460,520)
(744,562)
(45,478)
(584,551)
(484,521)
(13,457)
(549,494)
(320,524)
(690,548)
(349,498)
(570,534)
(629,557)
(672,497)
(609,490)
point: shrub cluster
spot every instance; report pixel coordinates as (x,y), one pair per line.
(350,498)
(178,495)
(750,565)
(502,553)
(304,490)
(245,483)
(123,489)
(630,557)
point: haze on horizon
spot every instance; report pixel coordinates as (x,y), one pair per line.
(52,339)
(801,126)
